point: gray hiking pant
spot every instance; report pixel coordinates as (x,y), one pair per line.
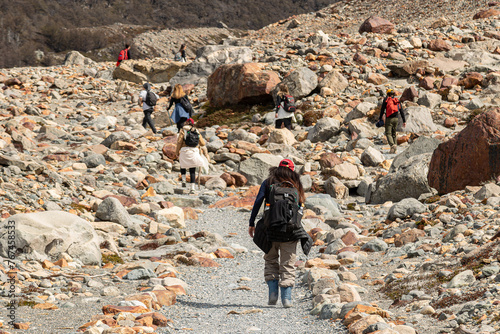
(391,124)
(280,263)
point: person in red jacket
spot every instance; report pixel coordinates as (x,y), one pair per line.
(124,54)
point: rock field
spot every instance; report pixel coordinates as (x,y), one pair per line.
(98,236)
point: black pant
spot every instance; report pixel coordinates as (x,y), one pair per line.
(148,120)
(287,122)
(180,124)
(192,173)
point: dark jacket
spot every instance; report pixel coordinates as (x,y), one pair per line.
(264,236)
(384,107)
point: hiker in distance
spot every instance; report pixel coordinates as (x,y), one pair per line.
(148,99)
(182,51)
(391,107)
(190,145)
(279,230)
(124,55)
(183,109)
(285,108)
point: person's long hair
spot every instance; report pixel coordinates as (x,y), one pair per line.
(178,92)
(284,174)
(283,90)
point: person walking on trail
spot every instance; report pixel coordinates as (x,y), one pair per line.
(124,55)
(284,112)
(189,145)
(279,230)
(183,109)
(391,107)
(147,99)
(182,51)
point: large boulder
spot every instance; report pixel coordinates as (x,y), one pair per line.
(155,70)
(208,59)
(256,168)
(111,209)
(240,83)
(409,180)
(470,158)
(301,82)
(46,235)
(335,81)
(486,13)
(323,130)
(377,25)
(405,208)
(361,110)
(76,58)
(409,68)
(281,136)
(325,201)
(418,120)
(420,146)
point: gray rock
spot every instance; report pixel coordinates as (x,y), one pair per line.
(223,157)
(163,188)
(324,129)
(454,232)
(405,208)
(76,58)
(214,146)
(110,291)
(349,306)
(137,274)
(256,168)
(429,100)
(335,81)
(46,235)
(475,103)
(94,160)
(334,246)
(112,210)
(487,191)
(409,180)
(215,183)
(359,111)
(330,311)
(306,181)
(375,245)
(116,136)
(490,270)
(420,146)
(418,120)
(323,200)
(244,135)
(184,202)
(301,82)
(465,278)
(372,157)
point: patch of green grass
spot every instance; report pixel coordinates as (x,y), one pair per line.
(111,258)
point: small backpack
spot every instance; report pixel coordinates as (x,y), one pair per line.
(288,103)
(392,106)
(192,137)
(285,213)
(186,105)
(177,56)
(151,98)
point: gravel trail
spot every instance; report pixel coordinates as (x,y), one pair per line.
(214,292)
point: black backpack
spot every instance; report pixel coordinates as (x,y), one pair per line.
(192,138)
(186,105)
(289,103)
(151,98)
(285,213)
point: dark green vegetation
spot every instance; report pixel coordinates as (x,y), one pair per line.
(230,115)
(56,25)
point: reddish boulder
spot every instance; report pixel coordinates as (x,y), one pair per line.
(409,94)
(439,45)
(240,83)
(450,122)
(486,13)
(360,59)
(329,160)
(448,82)
(427,83)
(407,237)
(12,82)
(471,80)
(239,179)
(470,158)
(228,179)
(377,25)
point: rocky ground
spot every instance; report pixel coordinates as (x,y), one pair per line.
(103,238)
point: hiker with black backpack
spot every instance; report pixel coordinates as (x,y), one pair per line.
(280,228)
(190,145)
(183,108)
(148,100)
(391,107)
(285,108)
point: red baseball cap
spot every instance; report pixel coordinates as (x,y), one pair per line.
(287,163)
(190,121)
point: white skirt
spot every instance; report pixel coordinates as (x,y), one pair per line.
(190,157)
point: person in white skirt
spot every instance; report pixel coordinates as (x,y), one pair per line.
(188,151)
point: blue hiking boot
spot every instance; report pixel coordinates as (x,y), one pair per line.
(273,292)
(286,296)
